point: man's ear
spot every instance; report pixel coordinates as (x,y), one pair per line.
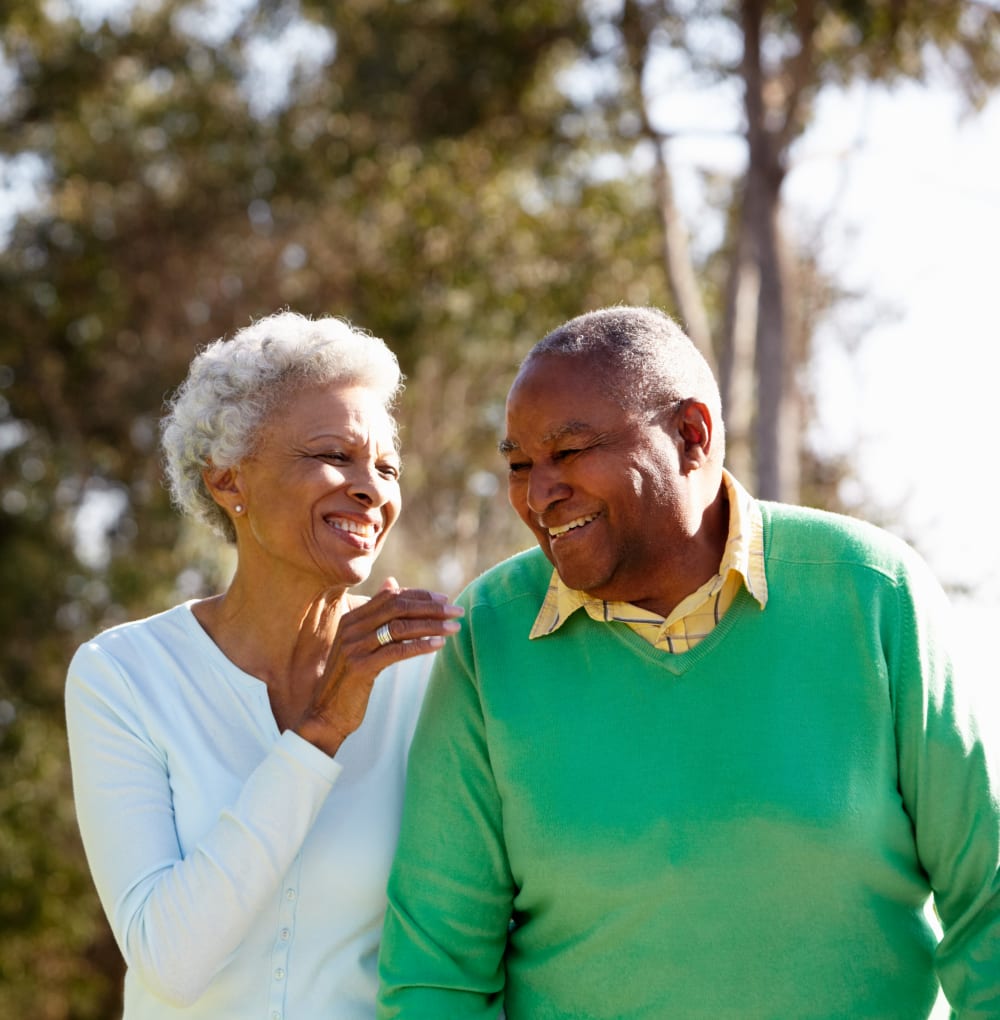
(224,486)
(695,425)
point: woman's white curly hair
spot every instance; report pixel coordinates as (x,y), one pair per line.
(233,387)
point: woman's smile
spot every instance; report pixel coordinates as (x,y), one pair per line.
(360,534)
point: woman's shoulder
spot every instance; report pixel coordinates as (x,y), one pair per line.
(137,652)
(168,627)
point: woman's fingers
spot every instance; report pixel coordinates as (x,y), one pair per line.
(412,637)
(395,624)
(401,616)
(402,629)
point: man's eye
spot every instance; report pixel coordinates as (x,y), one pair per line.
(563,454)
(517,466)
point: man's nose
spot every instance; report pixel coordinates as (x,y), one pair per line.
(546,487)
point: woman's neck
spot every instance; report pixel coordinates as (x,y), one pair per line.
(279,635)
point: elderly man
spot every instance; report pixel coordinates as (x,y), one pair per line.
(713,764)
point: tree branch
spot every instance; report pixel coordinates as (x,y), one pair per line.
(681,276)
(799,73)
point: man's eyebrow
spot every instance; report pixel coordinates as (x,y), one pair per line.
(564,431)
(570,428)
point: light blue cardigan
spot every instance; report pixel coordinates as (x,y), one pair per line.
(243,871)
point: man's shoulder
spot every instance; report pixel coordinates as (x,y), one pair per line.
(525,574)
(806,533)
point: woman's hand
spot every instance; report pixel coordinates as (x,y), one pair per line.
(397,623)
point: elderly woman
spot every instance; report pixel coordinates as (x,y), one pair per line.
(238,760)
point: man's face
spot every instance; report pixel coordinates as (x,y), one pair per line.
(601,488)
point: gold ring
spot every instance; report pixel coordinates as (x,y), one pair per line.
(383,635)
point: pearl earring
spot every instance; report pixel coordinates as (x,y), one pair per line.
(238,508)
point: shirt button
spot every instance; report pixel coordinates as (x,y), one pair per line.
(279,975)
(289,894)
(284,934)
(275,1015)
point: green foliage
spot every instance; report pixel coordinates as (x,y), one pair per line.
(409,185)
(425,176)
(59,960)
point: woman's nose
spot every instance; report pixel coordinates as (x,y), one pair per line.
(369,486)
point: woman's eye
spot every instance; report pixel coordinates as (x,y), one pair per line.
(389,470)
(334,456)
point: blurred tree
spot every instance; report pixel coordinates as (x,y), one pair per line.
(458,176)
(196,166)
(779,55)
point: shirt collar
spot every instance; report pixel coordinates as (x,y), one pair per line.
(744,553)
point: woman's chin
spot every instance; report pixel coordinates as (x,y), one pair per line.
(354,572)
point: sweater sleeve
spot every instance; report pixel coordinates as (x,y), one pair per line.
(177,919)
(450,891)
(949,769)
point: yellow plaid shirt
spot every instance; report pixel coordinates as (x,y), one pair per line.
(695,617)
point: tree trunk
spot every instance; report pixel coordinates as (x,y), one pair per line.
(677,258)
(737,355)
(777,428)
(637,24)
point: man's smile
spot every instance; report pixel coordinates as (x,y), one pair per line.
(557,530)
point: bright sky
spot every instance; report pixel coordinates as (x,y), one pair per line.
(906,187)
(916,224)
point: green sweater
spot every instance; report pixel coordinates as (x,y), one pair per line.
(597,829)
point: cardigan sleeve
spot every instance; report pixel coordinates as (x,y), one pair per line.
(177,919)
(949,769)
(450,891)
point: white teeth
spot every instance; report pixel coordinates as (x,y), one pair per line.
(354,527)
(578,523)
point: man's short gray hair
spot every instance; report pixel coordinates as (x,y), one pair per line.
(235,385)
(645,360)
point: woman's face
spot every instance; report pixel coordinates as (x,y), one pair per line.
(321,490)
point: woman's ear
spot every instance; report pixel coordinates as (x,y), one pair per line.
(224,486)
(694,423)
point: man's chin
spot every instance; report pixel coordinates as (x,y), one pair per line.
(579,577)
(579,580)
